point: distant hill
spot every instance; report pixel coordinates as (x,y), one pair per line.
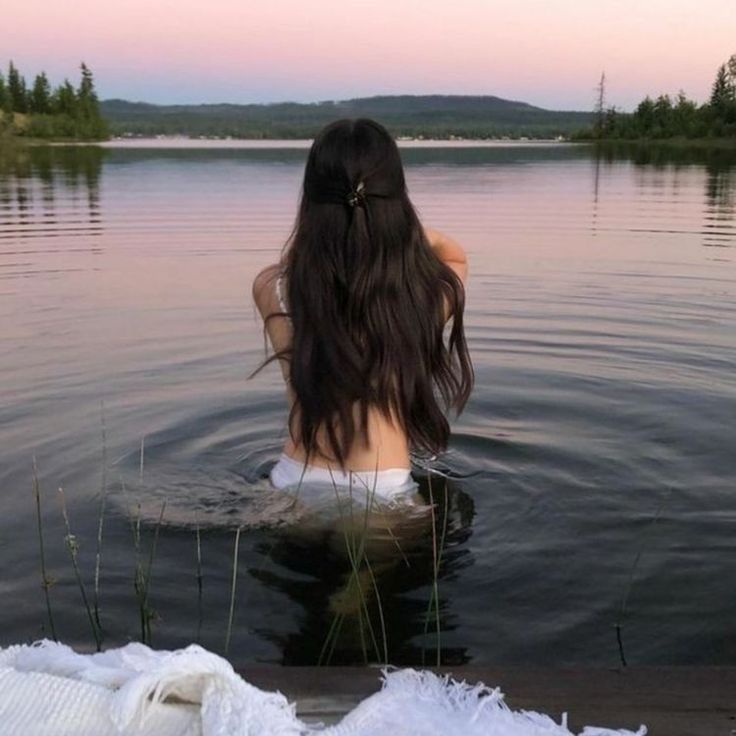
(429,116)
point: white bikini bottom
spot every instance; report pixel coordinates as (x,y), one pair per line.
(291,474)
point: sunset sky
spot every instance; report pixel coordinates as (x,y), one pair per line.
(543,52)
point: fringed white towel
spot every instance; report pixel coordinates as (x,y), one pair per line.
(47,689)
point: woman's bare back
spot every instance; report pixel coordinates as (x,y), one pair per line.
(384,446)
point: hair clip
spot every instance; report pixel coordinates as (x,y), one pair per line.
(356,197)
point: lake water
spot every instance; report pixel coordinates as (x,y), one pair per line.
(589,482)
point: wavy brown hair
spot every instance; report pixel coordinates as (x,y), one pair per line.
(368,300)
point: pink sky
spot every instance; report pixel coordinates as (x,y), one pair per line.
(548,53)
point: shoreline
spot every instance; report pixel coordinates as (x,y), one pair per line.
(677,142)
(305,143)
(182,141)
(185,142)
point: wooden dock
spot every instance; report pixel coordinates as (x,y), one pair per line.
(670,701)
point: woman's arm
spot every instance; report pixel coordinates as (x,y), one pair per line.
(449,251)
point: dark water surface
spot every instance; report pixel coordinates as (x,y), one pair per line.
(601,316)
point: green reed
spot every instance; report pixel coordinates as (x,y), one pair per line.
(200,610)
(357,556)
(46,580)
(437,551)
(362,582)
(149,612)
(73,547)
(142,576)
(101,517)
(232,591)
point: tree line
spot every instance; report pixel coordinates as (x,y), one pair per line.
(428,116)
(40,111)
(667,117)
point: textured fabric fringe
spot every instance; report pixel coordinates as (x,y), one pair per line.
(47,689)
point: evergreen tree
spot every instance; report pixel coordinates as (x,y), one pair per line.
(731,66)
(92,125)
(644,117)
(722,91)
(87,97)
(17,90)
(667,118)
(4,99)
(65,100)
(64,112)
(663,127)
(40,98)
(610,123)
(685,117)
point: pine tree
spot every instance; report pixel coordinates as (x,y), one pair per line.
(644,117)
(731,66)
(88,104)
(40,101)
(610,123)
(17,90)
(722,90)
(65,100)
(3,93)
(92,124)
(662,117)
(64,112)
(685,116)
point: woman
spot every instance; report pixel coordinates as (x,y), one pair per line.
(356,312)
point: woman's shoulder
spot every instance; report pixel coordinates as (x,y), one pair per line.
(264,286)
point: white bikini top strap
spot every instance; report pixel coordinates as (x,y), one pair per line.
(279,293)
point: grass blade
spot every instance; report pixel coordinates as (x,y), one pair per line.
(46,581)
(100,523)
(149,613)
(625,598)
(200,612)
(232,592)
(73,547)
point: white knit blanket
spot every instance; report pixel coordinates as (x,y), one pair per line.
(47,689)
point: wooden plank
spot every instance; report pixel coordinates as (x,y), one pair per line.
(670,701)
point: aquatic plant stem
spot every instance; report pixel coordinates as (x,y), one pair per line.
(331,639)
(46,581)
(140,469)
(436,553)
(625,598)
(359,554)
(356,553)
(138,581)
(199,585)
(100,523)
(73,547)
(151,556)
(380,611)
(368,508)
(232,591)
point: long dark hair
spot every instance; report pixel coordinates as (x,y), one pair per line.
(367,298)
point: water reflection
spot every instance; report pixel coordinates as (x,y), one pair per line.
(719,212)
(350,572)
(347,610)
(37,185)
(720,205)
(596,192)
